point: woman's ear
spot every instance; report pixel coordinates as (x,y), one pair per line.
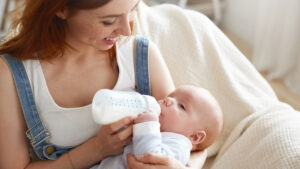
(198,137)
(63,13)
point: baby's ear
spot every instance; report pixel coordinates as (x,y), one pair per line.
(198,137)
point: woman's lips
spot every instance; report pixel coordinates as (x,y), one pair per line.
(111,41)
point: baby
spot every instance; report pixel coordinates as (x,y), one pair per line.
(190,119)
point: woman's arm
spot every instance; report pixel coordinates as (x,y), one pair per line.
(160,77)
(157,161)
(14,144)
(153,161)
(107,142)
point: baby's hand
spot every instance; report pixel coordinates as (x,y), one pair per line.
(146,116)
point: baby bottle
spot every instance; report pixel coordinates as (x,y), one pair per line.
(109,106)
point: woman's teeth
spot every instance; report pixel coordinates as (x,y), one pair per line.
(111,39)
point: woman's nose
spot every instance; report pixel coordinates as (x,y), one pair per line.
(125,26)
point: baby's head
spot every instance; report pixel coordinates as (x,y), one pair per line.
(193,112)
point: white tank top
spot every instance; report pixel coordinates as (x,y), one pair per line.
(73,126)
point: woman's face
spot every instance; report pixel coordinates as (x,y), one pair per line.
(101,27)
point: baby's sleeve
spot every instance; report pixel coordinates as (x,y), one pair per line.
(148,139)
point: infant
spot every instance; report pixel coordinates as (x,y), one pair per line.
(190,119)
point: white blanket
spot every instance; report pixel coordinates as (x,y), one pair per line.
(260,132)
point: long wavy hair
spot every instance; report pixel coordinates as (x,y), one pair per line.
(39,32)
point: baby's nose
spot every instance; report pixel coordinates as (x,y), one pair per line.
(169,101)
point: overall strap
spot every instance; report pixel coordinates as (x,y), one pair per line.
(36,133)
(141,65)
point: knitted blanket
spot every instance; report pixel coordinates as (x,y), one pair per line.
(260,132)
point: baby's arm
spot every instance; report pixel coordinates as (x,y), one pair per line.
(147,138)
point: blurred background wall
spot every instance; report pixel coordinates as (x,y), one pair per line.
(240,17)
(268,33)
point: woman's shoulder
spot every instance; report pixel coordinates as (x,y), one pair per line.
(6,77)
(7,87)
(4,70)
(8,96)
(11,113)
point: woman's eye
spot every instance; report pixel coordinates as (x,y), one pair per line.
(108,22)
(182,106)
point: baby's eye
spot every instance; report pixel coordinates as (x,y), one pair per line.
(182,106)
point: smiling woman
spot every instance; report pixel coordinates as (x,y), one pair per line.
(62,54)
(46,30)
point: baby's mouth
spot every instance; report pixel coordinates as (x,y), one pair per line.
(162,103)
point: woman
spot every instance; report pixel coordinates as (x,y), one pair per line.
(70,49)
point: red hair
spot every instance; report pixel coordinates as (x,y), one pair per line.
(40,33)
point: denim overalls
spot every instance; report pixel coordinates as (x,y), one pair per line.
(37,134)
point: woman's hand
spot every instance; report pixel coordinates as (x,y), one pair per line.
(112,138)
(153,161)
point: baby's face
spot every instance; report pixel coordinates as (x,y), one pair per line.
(193,112)
(180,111)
